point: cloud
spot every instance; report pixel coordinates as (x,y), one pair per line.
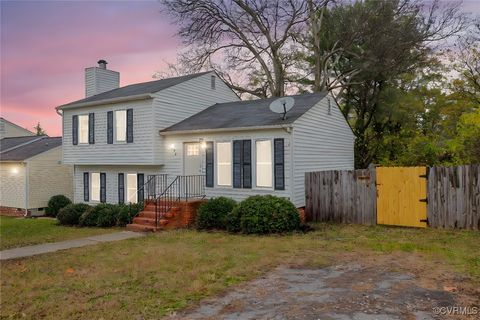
(45,47)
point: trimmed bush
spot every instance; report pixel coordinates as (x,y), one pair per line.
(70,214)
(264,214)
(89,218)
(212,214)
(55,204)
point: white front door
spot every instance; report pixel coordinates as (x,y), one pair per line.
(192,164)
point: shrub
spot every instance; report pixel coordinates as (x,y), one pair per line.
(55,204)
(70,214)
(126,213)
(264,214)
(212,214)
(89,218)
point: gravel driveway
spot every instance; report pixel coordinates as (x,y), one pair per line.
(346,291)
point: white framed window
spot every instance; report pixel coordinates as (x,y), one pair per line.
(263,152)
(83,129)
(224,163)
(193,149)
(95,186)
(132,188)
(121,125)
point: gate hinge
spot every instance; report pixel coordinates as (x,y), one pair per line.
(426,174)
(424,200)
(424,220)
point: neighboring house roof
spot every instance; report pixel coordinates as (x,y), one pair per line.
(244,114)
(16,125)
(133,90)
(19,148)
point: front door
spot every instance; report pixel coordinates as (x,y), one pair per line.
(192,164)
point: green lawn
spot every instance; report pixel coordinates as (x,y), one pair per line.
(18,232)
(148,277)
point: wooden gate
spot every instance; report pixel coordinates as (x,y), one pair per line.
(402,196)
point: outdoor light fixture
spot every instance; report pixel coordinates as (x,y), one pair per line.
(172,147)
(14,170)
(203,145)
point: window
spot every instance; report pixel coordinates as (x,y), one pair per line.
(121,125)
(83,129)
(263,150)
(95,192)
(224,163)
(212,82)
(132,188)
(193,149)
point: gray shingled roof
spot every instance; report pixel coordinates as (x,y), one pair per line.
(137,89)
(26,149)
(241,114)
(11,142)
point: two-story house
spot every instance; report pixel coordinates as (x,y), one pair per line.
(191,136)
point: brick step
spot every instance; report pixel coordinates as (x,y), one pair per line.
(149,221)
(151,215)
(141,228)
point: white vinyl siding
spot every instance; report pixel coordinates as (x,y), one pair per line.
(132,188)
(179,102)
(111,178)
(322,141)
(174,162)
(263,159)
(95,186)
(224,163)
(8,129)
(13,187)
(139,152)
(47,176)
(121,125)
(83,129)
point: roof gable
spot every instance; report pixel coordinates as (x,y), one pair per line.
(136,89)
(244,114)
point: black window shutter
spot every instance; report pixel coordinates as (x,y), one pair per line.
(247,164)
(91,128)
(140,191)
(121,188)
(86,187)
(209,164)
(279,162)
(75,130)
(103,187)
(237,163)
(110,127)
(129,125)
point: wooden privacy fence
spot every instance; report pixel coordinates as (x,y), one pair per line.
(347,196)
(454,197)
(350,196)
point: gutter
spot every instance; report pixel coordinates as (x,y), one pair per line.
(278,126)
(105,101)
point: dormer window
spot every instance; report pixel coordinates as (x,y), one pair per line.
(121,125)
(83,129)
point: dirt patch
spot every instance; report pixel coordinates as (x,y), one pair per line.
(396,286)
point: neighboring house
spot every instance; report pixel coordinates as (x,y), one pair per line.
(9,129)
(194,134)
(31,171)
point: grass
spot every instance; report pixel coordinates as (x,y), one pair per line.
(18,232)
(149,277)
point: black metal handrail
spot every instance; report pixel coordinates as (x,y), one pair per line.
(181,188)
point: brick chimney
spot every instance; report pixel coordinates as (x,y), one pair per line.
(100,79)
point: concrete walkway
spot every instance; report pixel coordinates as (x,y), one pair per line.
(68,244)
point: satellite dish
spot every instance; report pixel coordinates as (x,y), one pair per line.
(282,105)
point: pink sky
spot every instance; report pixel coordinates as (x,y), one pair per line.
(46,45)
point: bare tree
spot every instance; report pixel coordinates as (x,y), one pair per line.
(252,44)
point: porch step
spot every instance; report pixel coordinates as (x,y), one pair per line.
(141,228)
